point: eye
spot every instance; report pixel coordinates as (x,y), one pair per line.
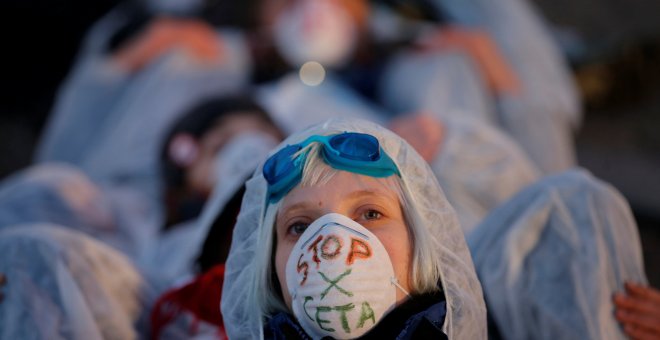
(297,228)
(372,215)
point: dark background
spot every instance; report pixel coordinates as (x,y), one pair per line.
(613,45)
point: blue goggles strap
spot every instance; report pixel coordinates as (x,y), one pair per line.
(354,152)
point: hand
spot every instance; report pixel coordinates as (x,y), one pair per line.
(638,310)
(478,44)
(421,131)
(164,34)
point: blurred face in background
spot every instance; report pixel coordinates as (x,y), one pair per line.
(272,9)
(324,31)
(201,173)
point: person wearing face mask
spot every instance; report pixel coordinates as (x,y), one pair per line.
(552,257)
(292,33)
(345,232)
(205,160)
(201,144)
(328,243)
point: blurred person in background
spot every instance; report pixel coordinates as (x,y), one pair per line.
(534,100)
(133,78)
(554,259)
(190,157)
(199,152)
(477,166)
(205,173)
(56,283)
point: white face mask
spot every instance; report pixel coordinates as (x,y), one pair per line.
(239,157)
(315,30)
(340,278)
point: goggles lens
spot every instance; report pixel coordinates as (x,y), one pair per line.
(349,151)
(356,146)
(281,163)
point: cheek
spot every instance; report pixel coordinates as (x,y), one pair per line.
(396,241)
(200,175)
(282,253)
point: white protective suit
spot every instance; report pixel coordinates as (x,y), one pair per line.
(295,106)
(446,84)
(61,194)
(479,168)
(552,257)
(428,209)
(64,285)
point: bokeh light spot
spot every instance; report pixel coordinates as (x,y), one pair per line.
(312,73)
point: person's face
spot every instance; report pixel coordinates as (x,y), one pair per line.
(271,10)
(370,202)
(200,174)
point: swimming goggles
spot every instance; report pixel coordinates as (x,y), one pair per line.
(349,151)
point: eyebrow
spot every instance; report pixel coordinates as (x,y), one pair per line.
(299,205)
(282,215)
(304,205)
(367,192)
(352,196)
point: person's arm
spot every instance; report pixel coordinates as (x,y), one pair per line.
(479,45)
(164,34)
(422,131)
(638,310)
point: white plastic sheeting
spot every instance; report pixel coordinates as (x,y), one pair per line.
(62,195)
(552,257)
(64,285)
(479,168)
(428,208)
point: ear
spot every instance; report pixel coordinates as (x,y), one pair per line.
(183,149)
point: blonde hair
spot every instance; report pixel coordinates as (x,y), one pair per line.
(425,275)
